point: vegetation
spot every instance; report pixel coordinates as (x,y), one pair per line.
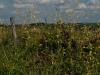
(50,49)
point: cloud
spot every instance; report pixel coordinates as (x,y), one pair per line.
(43,8)
(40,1)
(24,1)
(69,10)
(23,5)
(51,1)
(94,7)
(2,6)
(44,1)
(82,6)
(90,6)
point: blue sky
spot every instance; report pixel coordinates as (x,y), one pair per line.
(50,10)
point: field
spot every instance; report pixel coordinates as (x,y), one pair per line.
(50,49)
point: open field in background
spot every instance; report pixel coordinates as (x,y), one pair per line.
(50,50)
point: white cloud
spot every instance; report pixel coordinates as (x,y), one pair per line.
(82,6)
(86,6)
(94,7)
(23,5)
(2,6)
(51,1)
(67,6)
(40,1)
(62,1)
(69,10)
(24,1)
(44,1)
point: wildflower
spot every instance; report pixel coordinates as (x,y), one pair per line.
(98,35)
(25,28)
(35,30)
(29,37)
(98,46)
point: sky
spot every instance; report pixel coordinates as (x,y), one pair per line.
(29,11)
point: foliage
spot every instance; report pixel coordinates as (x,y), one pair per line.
(50,50)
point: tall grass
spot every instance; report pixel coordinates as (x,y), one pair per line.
(50,50)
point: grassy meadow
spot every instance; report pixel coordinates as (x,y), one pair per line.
(50,49)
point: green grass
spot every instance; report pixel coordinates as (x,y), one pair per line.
(50,50)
